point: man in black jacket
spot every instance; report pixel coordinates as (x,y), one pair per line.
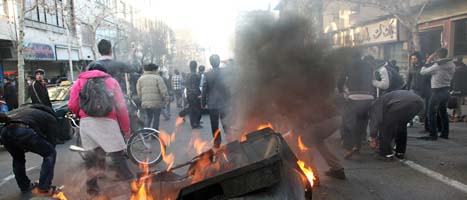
(216,98)
(389,117)
(10,94)
(31,128)
(357,77)
(116,69)
(38,89)
(193,94)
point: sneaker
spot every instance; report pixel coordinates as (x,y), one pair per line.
(31,187)
(338,174)
(386,158)
(428,138)
(400,156)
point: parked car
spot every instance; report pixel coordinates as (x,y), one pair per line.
(59,96)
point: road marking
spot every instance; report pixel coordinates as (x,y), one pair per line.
(451,182)
(12,176)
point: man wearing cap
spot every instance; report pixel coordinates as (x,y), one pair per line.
(38,89)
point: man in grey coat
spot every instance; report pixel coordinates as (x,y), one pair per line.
(215,97)
(441,70)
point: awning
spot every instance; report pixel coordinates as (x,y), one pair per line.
(62,53)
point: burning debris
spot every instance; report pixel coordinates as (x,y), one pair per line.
(261,167)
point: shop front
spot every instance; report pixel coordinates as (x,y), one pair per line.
(380,38)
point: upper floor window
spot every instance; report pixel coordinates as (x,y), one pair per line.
(460,37)
(48,12)
(3,7)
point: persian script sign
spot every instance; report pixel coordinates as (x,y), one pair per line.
(380,32)
(36,51)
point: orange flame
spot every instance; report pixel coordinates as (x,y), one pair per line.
(308,172)
(263,126)
(168,159)
(141,187)
(199,145)
(302,147)
(60,196)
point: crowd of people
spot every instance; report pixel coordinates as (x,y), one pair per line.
(379,100)
(376,99)
(98,99)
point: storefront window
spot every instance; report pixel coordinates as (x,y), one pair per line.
(460,37)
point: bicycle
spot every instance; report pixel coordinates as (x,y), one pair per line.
(143,146)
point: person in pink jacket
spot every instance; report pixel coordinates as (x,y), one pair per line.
(102,136)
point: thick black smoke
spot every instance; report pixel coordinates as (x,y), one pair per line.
(287,77)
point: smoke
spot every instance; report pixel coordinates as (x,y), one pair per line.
(286,76)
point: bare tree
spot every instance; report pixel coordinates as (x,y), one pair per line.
(95,16)
(407,12)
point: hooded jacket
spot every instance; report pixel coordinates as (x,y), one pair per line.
(119,113)
(152,90)
(441,73)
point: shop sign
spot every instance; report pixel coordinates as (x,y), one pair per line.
(376,33)
(37,51)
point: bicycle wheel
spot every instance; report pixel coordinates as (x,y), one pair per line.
(145,147)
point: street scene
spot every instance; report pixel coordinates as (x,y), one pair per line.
(216,99)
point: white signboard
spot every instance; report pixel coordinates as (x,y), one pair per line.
(381,32)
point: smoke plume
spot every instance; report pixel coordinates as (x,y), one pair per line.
(287,77)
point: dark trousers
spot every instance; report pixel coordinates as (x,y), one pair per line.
(179,97)
(95,167)
(438,105)
(194,107)
(19,140)
(357,122)
(215,115)
(152,117)
(394,127)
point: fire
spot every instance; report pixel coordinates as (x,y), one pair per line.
(263,126)
(141,187)
(168,159)
(302,147)
(60,196)
(199,145)
(308,172)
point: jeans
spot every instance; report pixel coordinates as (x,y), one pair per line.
(194,108)
(179,97)
(19,140)
(438,105)
(215,115)
(166,112)
(357,119)
(152,117)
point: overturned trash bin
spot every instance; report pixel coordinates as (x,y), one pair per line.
(261,167)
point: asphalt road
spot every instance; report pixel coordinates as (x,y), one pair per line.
(368,178)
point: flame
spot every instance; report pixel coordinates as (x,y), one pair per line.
(168,159)
(263,126)
(60,196)
(199,145)
(166,138)
(302,147)
(141,187)
(308,172)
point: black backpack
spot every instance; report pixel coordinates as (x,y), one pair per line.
(94,99)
